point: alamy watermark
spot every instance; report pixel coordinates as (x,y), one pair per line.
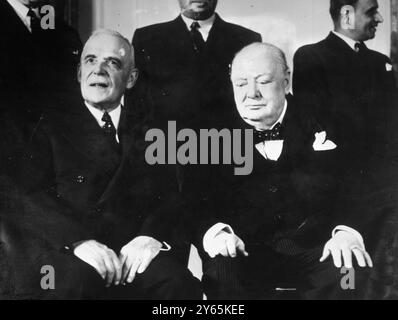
(195,147)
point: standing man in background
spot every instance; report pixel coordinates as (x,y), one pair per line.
(184,66)
(351,91)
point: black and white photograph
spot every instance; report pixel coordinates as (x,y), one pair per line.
(198,155)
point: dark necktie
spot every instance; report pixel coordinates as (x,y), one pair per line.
(108,127)
(360,47)
(34,22)
(276,133)
(197,39)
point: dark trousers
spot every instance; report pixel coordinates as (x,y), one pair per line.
(258,276)
(164,279)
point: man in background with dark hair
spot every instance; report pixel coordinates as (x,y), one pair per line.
(351,91)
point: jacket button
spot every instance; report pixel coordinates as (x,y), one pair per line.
(273,189)
(278,218)
(80,179)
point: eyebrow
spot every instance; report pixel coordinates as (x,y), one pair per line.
(258,76)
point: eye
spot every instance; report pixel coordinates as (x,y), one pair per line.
(263,81)
(114,63)
(90,60)
(240,83)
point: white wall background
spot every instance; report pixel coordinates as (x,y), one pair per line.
(287,23)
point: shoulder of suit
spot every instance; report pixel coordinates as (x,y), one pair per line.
(241,31)
(154,31)
(380,57)
(313,48)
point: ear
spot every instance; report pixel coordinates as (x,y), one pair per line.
(347,18)
(287,81)
(79,72)
(133,76)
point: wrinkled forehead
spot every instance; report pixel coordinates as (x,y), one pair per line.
(253,64)
(104,45)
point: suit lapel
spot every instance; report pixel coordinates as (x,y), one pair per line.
(127,136)
(12,22)
(85,135)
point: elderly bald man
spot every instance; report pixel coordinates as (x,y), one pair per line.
(274,225)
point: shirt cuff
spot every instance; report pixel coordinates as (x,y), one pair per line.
(352,231)
(165,247)
(213,232)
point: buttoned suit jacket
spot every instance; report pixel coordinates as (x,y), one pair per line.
(291,198)
(72,185)
(179,84)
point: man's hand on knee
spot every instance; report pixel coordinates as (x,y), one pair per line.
(341,246)
(227,245)
(136,256)
(103,259)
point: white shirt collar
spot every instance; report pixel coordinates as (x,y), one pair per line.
(205,25)
(22,12)
(351,43)
(114,114)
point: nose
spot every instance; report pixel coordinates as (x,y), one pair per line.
(99,67)
(379,18)
(252,90)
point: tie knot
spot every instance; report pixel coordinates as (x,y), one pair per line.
(276,133)
(195,25)
(32,14)
(360,46)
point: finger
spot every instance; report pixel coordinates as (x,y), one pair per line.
(325,253)
(231,246)
(134,268)
(110,268)
(368,259)
(126,268)
(118,268)
(347,257)
(360,257)
(146,260)
(336,254)
(242,248)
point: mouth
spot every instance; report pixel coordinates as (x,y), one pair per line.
(255,106)
(101,85)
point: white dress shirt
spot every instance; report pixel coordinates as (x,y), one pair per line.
(351,43)
(22,12)
(205,25)
(272,150)
(114,114)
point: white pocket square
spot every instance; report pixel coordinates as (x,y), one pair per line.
(321,144)
(388,67)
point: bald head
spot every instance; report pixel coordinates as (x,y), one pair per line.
(261,79)
(264,51)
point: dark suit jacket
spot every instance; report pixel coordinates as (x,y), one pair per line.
(179,84)
(35,70)
(291,198)
(355,98)
(71,186)
(351,94)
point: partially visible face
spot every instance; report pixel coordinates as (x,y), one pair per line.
(260,88)
(367,18)
(31,3)
(198,9)
(105,71)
